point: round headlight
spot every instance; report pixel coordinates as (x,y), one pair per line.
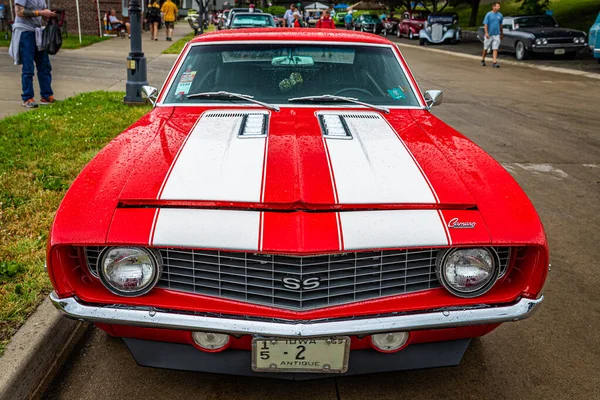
(390,341)
(538,41)
(129,271)
(468,272)
(544,41)
(429,28)
(445,29)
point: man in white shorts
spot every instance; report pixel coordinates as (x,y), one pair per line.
(492,24)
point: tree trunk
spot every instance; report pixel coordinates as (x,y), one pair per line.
(474,10)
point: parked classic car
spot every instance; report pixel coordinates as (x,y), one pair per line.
(594,38)
(411,24)
(233,11)
(291,207)
(440,28)
(524,35)
(390,26)
(242,20)
(368,23)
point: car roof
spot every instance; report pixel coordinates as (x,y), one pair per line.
(291,34)
(251,13)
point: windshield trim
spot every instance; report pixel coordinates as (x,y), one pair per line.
(395,50)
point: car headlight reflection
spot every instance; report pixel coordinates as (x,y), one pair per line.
(468,272)
(129,271)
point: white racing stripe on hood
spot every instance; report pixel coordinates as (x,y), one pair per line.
(212,229)
(375,166)
(214,164)
(392,229)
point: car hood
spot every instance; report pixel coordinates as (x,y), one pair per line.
(205,158)
(553,32)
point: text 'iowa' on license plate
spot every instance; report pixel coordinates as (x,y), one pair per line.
(324,355)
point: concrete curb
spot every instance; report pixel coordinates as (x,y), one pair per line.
(36,352)
(567,71)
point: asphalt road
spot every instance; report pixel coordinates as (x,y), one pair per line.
(544,127)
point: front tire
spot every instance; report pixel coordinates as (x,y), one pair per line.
(399,32)
(411,35)
(521,53)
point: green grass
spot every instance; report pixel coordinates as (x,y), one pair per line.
(71,42)
(41,152)
(574,14)
(180,44)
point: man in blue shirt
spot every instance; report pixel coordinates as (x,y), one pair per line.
(492,24)
(289,16)
(348,20)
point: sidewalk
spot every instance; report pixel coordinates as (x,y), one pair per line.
(100,66)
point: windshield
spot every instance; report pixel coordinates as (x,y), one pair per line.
(255,20)
(371,18)
(273,73)
(441,19)
(542,21)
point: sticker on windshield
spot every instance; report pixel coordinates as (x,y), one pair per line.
(183,87)
(396,94)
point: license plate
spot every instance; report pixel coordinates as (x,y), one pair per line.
(322,355)
(559,51)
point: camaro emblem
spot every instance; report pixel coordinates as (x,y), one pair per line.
(455,223)
(296,284)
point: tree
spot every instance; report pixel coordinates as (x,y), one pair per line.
(534,6)
(474,10)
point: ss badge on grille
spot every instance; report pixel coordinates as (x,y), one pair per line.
(296,284)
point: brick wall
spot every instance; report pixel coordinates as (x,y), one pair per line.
(88,12)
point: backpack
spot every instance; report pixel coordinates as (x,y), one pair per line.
(52,38)
(154,12)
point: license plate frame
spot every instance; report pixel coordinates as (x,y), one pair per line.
(559,52)
(342,342)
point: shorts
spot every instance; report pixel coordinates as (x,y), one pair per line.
(154,20)
(492,43)
(169,24)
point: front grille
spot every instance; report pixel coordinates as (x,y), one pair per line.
(568,40)
(437,32)
(259,278)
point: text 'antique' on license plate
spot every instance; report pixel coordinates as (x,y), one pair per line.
(324,355)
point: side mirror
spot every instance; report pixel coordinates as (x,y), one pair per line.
(151,93)
(433,98)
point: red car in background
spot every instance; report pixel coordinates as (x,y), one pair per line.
(412,22)
(267,218)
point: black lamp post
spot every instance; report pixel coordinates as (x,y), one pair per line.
(136,61)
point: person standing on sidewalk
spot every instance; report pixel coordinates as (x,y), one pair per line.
(153,17)
(325,21)
(169,10)
(492,24)
(26,49)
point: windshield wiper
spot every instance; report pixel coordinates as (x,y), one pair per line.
(331,97)
(228,95)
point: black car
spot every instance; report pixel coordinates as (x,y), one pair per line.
(529,34)
(368,23)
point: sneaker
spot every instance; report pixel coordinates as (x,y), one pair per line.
(44,101)
(496,65)
(30,103)
(483,63)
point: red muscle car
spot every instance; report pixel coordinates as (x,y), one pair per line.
(411,24)
(290,207)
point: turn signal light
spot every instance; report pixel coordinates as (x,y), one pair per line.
(209,341)
(389,342)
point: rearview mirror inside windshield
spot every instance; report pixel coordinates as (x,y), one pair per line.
(292,60)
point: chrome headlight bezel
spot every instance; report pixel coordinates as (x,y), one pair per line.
(154,257)
(441,265)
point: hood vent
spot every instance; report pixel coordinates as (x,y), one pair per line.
(253,126)
(334,126)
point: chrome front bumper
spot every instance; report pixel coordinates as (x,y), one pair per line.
(166,319)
